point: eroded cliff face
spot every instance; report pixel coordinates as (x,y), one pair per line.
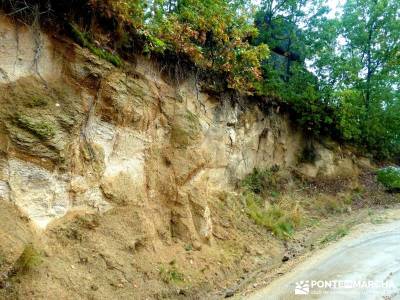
(147,155)
(79,134)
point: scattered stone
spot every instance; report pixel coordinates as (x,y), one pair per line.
(181,292)
(197,246)
(229,293)
(285,258)
(83,260)
(94,287)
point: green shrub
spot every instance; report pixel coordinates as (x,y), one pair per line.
(390,177)
(255,182)
(265,182)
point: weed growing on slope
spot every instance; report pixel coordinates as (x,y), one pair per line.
(279,221)
(342,231)
(171,274)
(85,40)
(28,260)
(283,215)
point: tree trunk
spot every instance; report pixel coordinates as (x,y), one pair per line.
(369,71)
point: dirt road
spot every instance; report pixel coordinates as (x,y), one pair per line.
(363,265)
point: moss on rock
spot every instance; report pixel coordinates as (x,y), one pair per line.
(39,127)
(85,40)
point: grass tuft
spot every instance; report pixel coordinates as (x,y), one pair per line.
(279,221)
(342,231)
(29,259)
(171,274)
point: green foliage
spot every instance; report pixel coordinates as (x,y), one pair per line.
(351,113)
(390,177)
(216,37)
(85,40)
(108,56)
(360,78)
(213,34)
(28,260)
(286,77)
(353,92)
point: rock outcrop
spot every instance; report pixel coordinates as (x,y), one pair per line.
(78,134)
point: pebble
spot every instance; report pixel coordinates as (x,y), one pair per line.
(285,258)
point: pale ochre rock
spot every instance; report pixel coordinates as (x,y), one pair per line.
(18,49)
(329,164)
(41,195)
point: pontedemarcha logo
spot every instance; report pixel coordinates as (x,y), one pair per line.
(302,287)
